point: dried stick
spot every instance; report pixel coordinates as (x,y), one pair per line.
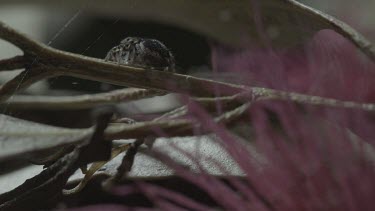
(64,63)
(79,101)
(17,62)
(271,94)
(128,94)
(22,81)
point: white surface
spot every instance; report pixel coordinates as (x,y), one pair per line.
(29,20)
(16,178)
(144,166)
(198,148)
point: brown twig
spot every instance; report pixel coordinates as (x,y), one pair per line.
(271,94)
(112,97)
(174,127)
(128,94)
(17,62)
(79,101)
(64,63)
(22,81)
(175,113)
(340,27)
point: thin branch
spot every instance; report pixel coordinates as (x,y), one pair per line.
(112,97)
(271,94)
(175,113)
(340,27)
(183,127)
(175,127)
(17,62)
(95,69)
(209,103)
(146,129)
(64,63)
(27,45)
(22,81)
(232,115)
(142,78)
(128,94)
(79,101)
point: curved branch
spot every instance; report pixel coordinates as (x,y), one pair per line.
(96,69)
(22,81)
(340,27)
(27,45)
(64,63)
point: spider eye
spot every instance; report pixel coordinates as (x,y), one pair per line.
(126,40)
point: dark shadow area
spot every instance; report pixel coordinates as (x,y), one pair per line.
(94,194)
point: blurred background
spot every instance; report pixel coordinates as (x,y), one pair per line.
(358,14)
(92,31)
(84,32)
(89,33)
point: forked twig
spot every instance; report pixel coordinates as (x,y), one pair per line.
(128,94)
(23,80)
(271,94)
(17,62)
(78,101)
(69,64)
(63,63)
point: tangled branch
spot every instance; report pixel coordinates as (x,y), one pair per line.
(55,62)
(41,62)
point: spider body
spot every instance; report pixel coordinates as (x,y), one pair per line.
(141,52)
